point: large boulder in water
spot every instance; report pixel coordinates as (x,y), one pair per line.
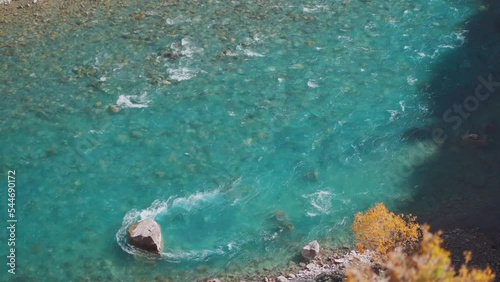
(146,235)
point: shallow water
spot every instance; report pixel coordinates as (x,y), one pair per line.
(274,125)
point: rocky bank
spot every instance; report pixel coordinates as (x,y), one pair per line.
(327,266)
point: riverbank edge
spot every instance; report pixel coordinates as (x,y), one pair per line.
(331,262)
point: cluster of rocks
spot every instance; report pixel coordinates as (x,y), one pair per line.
(326,268)
(21,5)
(318,265)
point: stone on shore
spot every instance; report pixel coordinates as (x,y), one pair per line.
(310,251)
(146,235)
(339,260)
(281,279)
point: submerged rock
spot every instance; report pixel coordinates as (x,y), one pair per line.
(114,108)
(474,139)
(146,235)
(280,219)
(310,251)
(312,175)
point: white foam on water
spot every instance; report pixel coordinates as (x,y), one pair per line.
(342,222)
(182,73)
(312,84)
(119,66)
(184,70)
(189,49)
(424,55)
(394,115)
(159,208)
(178,20)
(321,202)
(248,52)
(259,38)
(457,39)
(411,80)
(402,105)
(133,101)
(100,132)
(195,200)
(176,256)
(460,36)
(156,208)
(230,245)
(447,46)
(315,9)
(269,236)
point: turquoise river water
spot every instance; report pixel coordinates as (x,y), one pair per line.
(246,129)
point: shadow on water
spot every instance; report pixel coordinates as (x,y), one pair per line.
(458,189)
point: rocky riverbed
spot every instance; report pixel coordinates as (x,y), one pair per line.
(20,10)
(29,14)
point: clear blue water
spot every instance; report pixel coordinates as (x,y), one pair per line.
(278,122)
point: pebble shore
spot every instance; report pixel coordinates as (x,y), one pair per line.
(330,268)
(329,265)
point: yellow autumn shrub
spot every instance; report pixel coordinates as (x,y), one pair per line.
(382,231)
(466,273)
(429,263)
